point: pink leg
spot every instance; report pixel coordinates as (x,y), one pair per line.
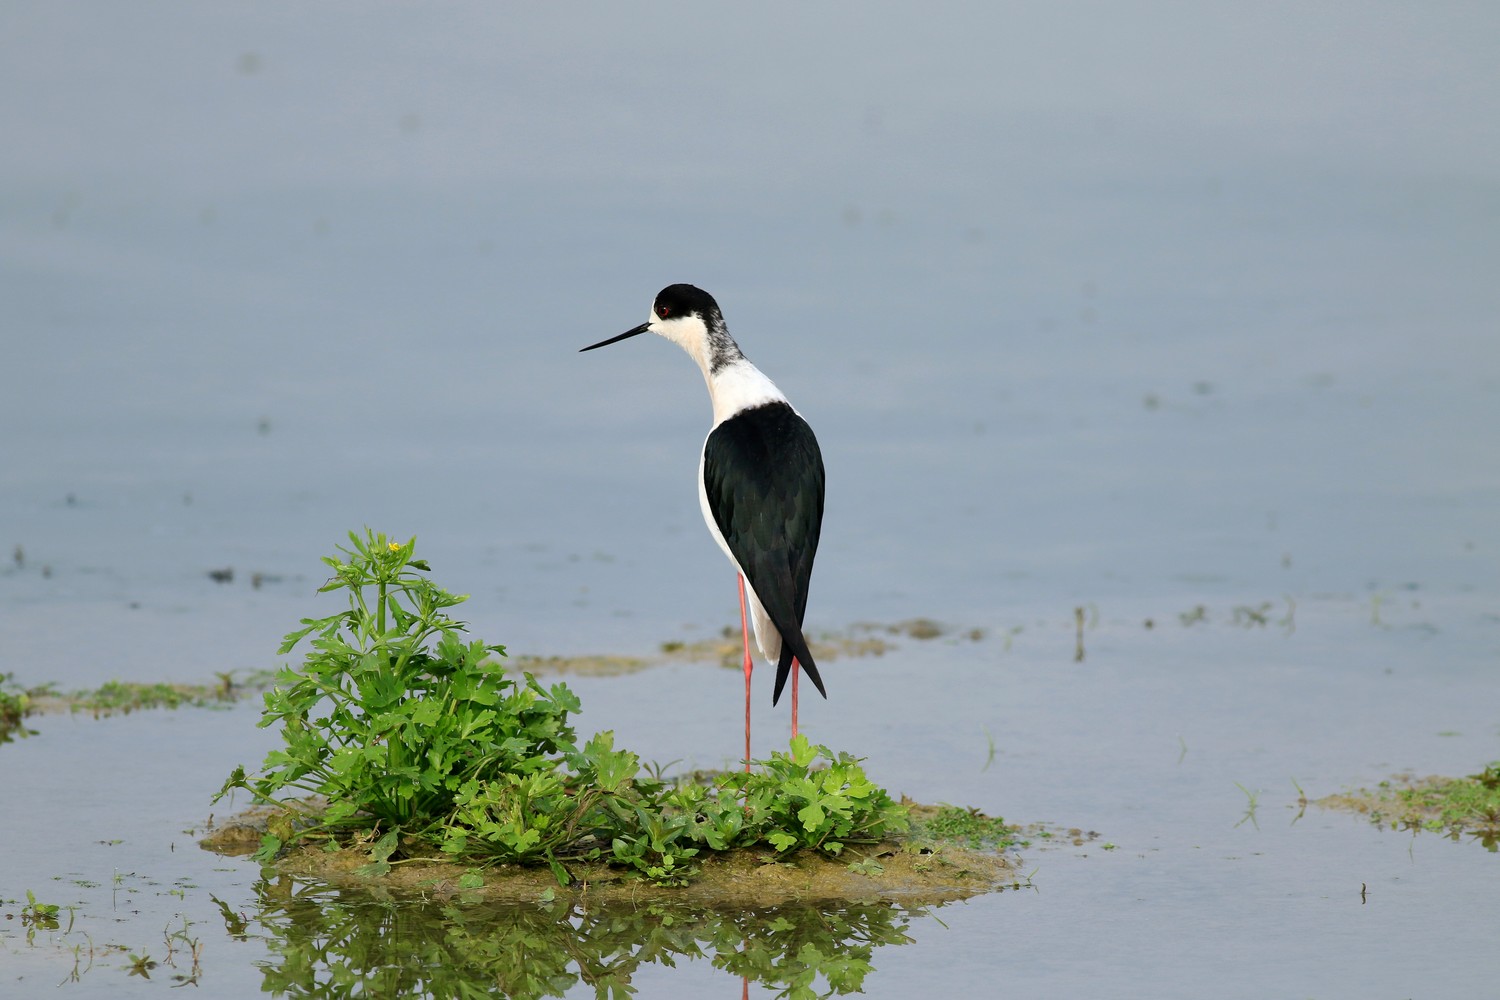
(796,672)
(749,666)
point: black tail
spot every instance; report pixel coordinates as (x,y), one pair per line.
(797,651)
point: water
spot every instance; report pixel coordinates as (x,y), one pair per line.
(1129,312)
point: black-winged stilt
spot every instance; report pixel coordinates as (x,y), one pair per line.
(760,484)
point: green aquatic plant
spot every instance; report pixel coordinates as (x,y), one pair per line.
(954,824)
(1455,807)
(118,697)
(600,806)
(1252,802)
(414,738)
(604,808)
(394,712)
(15,705)
(795,803)
(124,697)
(38,914)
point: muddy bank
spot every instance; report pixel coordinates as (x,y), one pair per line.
(913,870)
(725,649)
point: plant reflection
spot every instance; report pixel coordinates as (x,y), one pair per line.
(330,944)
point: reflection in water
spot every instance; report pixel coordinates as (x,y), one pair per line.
(327,944)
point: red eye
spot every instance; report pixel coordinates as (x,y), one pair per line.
(663,311)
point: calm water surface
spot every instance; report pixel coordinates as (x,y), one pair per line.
(1129,314)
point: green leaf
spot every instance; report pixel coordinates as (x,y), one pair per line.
(386,845)
(803,752)
(270,846)
(782,841)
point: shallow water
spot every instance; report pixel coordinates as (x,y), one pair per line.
(1088,311)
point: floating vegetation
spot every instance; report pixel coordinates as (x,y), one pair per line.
(15,705)
(1457,807)
(124,697)
(117,698)
(114,698)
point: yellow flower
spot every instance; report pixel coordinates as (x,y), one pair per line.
(394,546)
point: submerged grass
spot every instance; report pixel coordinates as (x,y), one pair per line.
(113,698)
(118,697)
(124,697)
(1457,807)
(15,705)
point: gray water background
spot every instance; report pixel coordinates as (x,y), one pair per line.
(1129,310)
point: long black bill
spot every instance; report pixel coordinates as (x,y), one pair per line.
(615,340)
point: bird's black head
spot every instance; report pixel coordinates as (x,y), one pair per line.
(686,315)
(676,301)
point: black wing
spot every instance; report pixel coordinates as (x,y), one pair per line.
(763,474)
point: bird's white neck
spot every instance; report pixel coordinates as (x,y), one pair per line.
(734,384)
(738,386)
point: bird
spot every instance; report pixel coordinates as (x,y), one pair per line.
(760,486)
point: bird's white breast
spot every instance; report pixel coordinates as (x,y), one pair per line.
(740,386)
